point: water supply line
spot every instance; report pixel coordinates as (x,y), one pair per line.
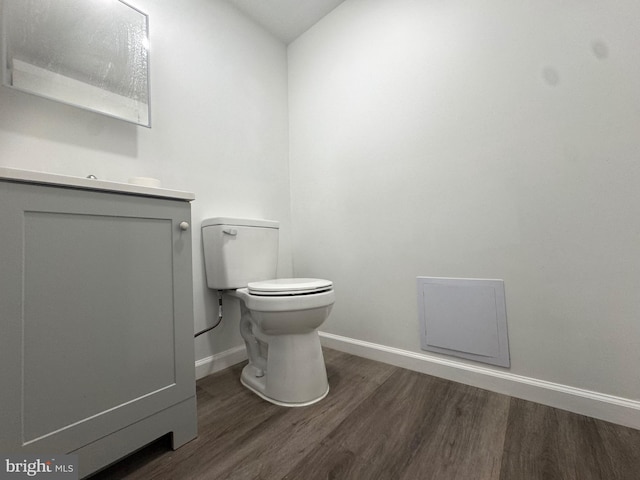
(219,317)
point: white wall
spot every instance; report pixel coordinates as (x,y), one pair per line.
(492,139)
(470,139)
(219,115)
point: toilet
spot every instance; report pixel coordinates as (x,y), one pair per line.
(279,317)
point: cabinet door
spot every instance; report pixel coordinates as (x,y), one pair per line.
(96,313)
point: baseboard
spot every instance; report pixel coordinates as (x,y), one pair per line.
(220,361)
(593,404)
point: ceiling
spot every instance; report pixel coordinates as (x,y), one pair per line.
(286,19)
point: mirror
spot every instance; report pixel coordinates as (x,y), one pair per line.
(93,54)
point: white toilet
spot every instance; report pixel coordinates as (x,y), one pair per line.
(280,317)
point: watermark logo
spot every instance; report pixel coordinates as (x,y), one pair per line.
(50,467)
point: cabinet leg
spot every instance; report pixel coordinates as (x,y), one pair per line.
(186,428)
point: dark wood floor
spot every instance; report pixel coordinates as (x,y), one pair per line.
(383,422)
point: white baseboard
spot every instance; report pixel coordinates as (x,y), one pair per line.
(593,404)
(220,361)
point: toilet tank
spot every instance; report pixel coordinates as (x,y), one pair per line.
(239,250)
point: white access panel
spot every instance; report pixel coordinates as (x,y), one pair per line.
(464,317)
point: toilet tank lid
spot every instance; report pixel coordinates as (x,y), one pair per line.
(240,222)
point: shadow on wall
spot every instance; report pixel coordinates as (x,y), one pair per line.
(33,116)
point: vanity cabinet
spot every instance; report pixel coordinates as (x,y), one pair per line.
(96,321)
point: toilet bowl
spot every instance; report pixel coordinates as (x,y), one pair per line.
(279,317)
(279,327)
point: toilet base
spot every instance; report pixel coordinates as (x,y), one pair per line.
(286,365)
(258,385)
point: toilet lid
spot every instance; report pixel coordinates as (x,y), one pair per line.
(289,286)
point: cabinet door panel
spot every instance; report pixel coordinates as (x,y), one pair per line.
(98,333)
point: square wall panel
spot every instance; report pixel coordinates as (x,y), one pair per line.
(465,318)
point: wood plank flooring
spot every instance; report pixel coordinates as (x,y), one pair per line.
(383,422)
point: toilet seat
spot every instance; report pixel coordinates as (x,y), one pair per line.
(289,286)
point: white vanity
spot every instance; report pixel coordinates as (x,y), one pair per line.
(96,317)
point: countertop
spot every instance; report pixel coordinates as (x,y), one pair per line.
(28,176)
